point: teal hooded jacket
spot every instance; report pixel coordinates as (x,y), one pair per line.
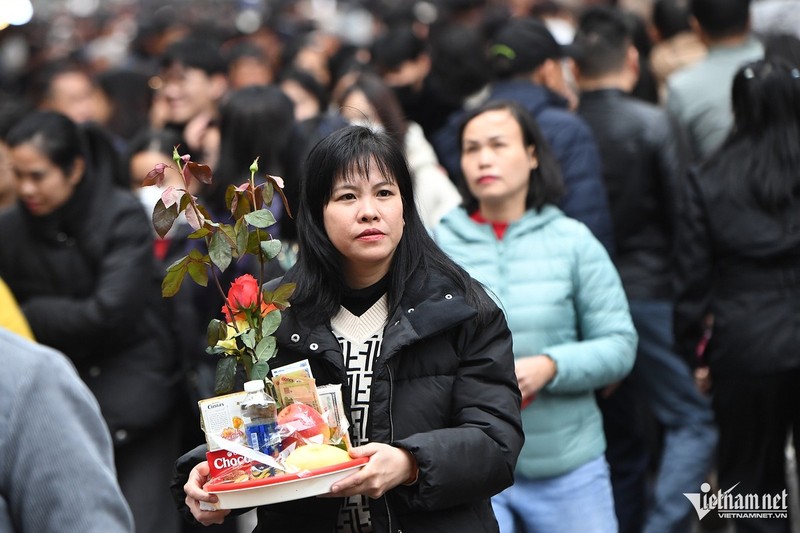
(562,297)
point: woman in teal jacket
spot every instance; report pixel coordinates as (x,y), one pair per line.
(566,310)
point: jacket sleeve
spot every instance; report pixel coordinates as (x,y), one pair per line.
(693,271)
(606,349)
(120,295)
(475,458)
(586,198)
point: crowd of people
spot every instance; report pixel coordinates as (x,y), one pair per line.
(581,258)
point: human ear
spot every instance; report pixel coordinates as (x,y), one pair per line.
(534,161)
(76,174)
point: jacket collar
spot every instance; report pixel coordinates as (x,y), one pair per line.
(430,306)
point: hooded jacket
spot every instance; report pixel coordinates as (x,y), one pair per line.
(562,297)
(85,278)
(443,388)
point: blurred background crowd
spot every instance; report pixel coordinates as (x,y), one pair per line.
(637,99)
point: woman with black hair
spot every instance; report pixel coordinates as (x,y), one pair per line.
(566,309)
(423,354)
(77,254)
(738,262)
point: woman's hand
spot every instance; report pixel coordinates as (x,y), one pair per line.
(533,373)
(195,494)
(387,468)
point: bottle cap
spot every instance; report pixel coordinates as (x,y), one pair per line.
(254,385)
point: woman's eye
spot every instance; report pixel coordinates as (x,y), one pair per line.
(347,196)
(385,192)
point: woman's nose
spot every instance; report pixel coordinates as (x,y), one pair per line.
(368,210)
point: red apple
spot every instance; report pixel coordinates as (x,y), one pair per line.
(304,425)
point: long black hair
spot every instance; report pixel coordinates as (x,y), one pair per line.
(546,182)
(348,154)
(255,121)
(762,153)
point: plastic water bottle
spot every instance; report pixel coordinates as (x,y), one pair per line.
(259,412)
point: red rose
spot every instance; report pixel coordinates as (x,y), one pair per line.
(242,295)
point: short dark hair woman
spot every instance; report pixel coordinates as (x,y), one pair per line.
(428,378)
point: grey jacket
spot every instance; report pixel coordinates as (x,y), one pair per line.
(56,460)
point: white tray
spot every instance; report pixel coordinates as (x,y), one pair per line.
(282,488)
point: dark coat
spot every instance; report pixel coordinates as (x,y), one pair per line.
(643,162)
(444,389)
(86,280)
(573,145)
(742,264)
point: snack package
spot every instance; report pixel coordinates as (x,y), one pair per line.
(221,416)
(330,399)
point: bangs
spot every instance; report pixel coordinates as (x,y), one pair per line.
(358,166)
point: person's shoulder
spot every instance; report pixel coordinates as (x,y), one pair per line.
(23,357)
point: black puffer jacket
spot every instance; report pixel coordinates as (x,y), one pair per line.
(85,278)
(444,389)
(643,163)
(741,263)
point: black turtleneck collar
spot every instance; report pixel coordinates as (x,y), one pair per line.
(358,301)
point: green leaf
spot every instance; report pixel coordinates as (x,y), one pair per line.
(164,217)
(271,248)
(265,348)
(242,234)
(217,330)
(262,218)
(229,232)
(199,273)
(280,297)
(249,338)
(172,282)
(199,234)
(268,192)
(270,323)
(226,373)
(254,241)
(242,205)
(260,370)
(220,251)
(178,263)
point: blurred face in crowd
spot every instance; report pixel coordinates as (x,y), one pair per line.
(305,104)
(42,186)
(73,94)
(247,71)
(497,164)
(357,109)
(364,221)
(189,92)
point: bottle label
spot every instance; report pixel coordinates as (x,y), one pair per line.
(264,438)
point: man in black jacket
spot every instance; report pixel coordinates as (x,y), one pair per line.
(642,164)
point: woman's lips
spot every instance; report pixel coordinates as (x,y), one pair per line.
(483,180)
(370,235)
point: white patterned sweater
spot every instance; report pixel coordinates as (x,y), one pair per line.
(360,339)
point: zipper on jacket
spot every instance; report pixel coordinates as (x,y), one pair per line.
(391,439)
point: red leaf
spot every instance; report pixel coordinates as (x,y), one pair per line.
(155,176)
(171,196)
(201,173)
